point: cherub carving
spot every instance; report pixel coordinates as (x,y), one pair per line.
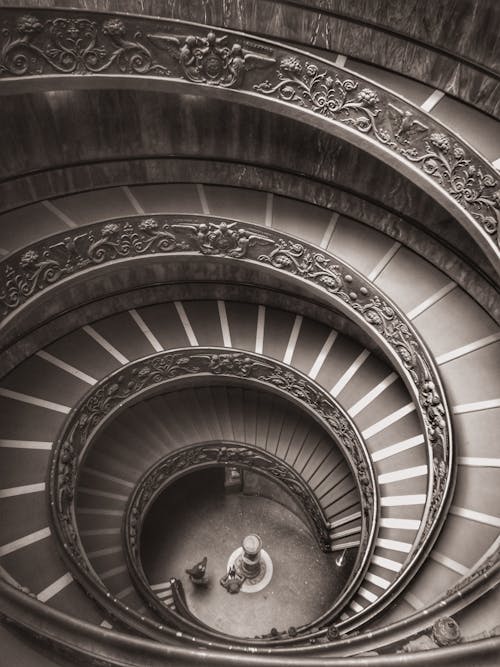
(209,59)
(222,238)
(198,573)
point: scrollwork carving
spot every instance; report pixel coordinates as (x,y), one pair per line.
(183,460)
(80,45)
(55,42)
(470,185)
(74,45)
(34,271)
(116,241)
(46,262)
(295,258)
(324,92)
(397,127)
(157,370)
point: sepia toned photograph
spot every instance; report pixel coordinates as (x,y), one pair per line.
(249,333)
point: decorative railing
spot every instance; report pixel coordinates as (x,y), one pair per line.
(78,638)
(39,268)
(159,373)
(28,45)
(180,602)
(64,43)
(196,457)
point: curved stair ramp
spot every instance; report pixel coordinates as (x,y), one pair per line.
(452,308)
(216,308)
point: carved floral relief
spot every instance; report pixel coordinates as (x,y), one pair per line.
(70,43)
(41,266)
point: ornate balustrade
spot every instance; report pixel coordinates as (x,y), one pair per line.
(159,373)
(33,272)
(196,457)
(53,47)
(81,639)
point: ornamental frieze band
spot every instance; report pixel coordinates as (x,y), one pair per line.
(34,270)
(51,43)
(156,373)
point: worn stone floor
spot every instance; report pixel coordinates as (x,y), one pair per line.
(196,518)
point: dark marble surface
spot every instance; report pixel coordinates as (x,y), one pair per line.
(449,44)
(55,140)
(429,21)
(50,154)
(419,238)
(39,132)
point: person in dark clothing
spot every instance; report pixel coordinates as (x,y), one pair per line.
(198,573)
(232,581)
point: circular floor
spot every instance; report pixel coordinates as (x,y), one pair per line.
(196,519)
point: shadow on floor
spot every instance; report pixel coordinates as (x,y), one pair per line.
(195,517)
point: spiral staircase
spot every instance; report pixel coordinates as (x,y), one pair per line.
(262,243)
